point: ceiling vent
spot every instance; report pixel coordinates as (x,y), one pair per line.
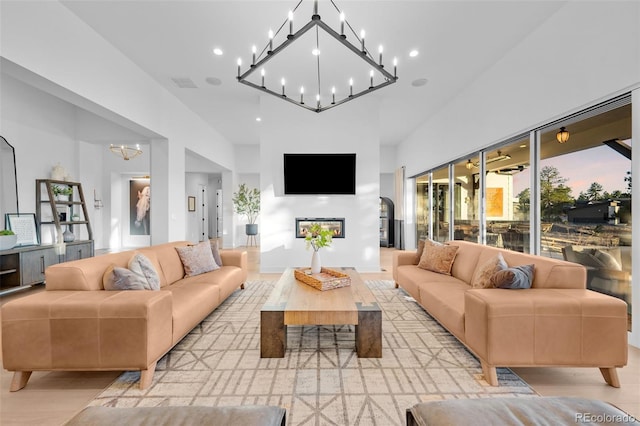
(184,82)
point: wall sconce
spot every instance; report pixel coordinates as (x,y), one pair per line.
(97,204)
(469,164)
(563,135)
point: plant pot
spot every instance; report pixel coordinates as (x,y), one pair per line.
(251,229)
(8,241)
(62,197)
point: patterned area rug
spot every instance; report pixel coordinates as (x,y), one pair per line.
(320,380)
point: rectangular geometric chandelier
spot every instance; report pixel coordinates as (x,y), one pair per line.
(350,73)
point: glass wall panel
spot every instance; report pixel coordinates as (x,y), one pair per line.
(422,207)
(441,204)
(585,199)
(466,193)
(507,196)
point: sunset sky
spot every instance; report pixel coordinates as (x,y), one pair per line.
(601,164)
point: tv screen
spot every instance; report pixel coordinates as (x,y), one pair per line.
(319,174)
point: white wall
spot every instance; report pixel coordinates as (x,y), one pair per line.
(345,129)
(586,52)
(50,41)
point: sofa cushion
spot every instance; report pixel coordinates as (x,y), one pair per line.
(482,277)
(197,259)
(517,277)
(443,297)
(187,314)
(437,257)
(116,278)
(142,266)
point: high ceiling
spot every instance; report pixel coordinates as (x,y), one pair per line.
(457,41)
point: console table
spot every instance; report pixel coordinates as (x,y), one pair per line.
(24,266)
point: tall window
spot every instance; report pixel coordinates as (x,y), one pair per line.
(507,191)
(422,207)
(585,199)
(440,204)
(466,192)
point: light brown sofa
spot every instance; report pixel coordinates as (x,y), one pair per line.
(76,325)
(557,322)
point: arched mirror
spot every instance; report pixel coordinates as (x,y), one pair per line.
(9,181)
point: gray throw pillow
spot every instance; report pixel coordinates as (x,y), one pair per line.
(142,266)
(197,259)
(516,277)
(215,250)
(116,278)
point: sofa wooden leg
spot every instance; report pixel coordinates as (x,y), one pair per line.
(611,376)
(242,286)
(490,374)
(146,376)
(20,379)
(397,285)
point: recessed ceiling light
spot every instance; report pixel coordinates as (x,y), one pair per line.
(315,52)
(524,145)
(214,81)
(413,53)
(217,51)
(419,82)
(258,119)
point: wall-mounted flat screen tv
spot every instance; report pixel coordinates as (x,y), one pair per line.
(319,174)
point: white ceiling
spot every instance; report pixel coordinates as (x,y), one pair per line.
(457,41)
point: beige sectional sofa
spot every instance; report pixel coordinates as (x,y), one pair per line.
(557,322)
(76,325)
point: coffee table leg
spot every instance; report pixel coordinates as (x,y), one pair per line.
(273,334)
(369,332)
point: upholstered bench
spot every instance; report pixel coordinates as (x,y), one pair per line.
(246,415)
(518,411)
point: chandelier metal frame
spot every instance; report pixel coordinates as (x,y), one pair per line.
(316,22)
(125,152)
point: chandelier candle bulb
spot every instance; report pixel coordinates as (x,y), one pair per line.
(270,41)
(342,24)
(290,16)
(282,81)
(253,53)
(380,52)
(395,67)
(262,74)
(239,65)
(302,95)
(318,100)
(350,87)
(362,39)
(371,77)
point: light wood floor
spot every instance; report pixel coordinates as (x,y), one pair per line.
(53,398)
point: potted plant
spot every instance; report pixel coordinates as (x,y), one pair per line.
(317,237)
(247,202)
(8,239)
(61,193)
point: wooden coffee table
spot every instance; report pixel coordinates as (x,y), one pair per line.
(293,302)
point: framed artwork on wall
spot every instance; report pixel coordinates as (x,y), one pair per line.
(140,206)
(24,225)
(191,203)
